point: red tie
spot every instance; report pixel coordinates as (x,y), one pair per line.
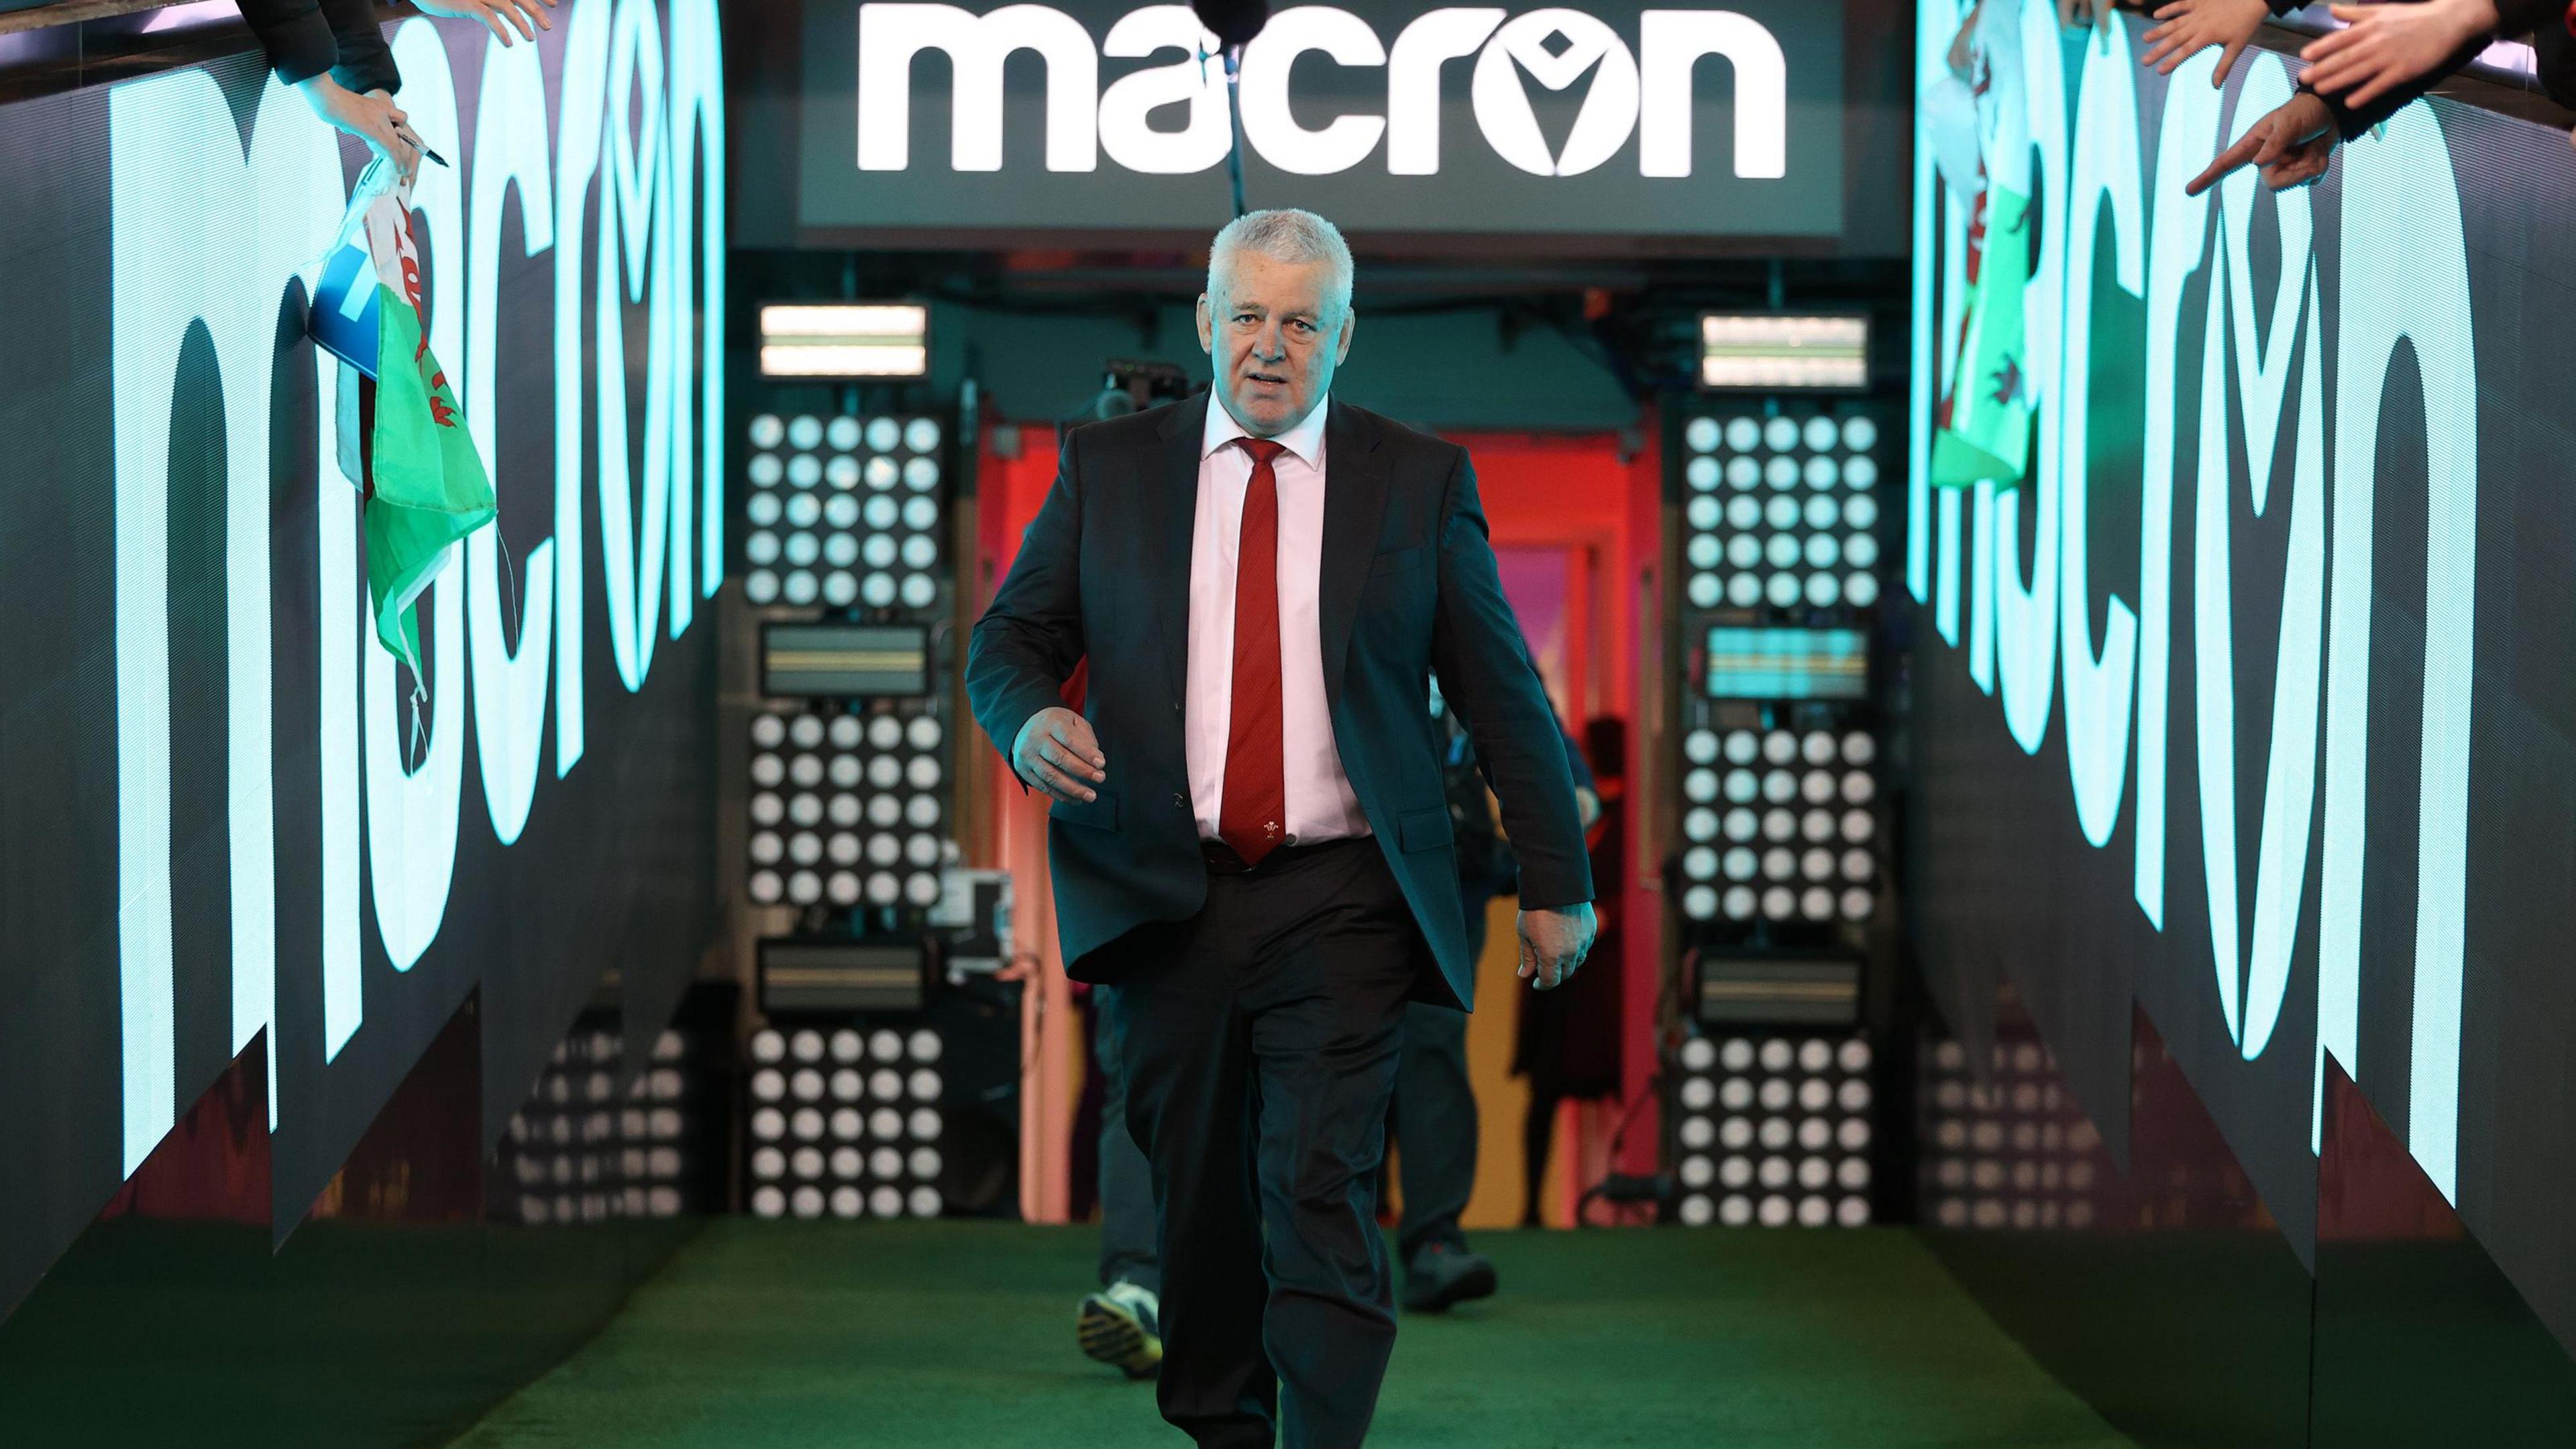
(1254,814)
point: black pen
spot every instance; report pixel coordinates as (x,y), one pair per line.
(424,146)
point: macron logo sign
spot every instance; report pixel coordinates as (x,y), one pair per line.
(1641,89)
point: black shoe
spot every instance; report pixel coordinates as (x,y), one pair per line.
(1119,1326)
(1441,1275)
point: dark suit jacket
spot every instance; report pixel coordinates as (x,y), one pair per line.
(1486,865)
(1409,587)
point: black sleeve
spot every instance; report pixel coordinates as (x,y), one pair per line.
(2552,28)
(2529,17)
(1574,761)
(1030,637)
(2557,46)
(296,37)
(1487,677)
(2283,9)
(366,62)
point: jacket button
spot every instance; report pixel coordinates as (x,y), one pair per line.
(1180,802)
(1176,706)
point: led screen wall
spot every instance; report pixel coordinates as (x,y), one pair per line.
(224,815)
(2252,699)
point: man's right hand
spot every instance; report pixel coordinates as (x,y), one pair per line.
(1057,752)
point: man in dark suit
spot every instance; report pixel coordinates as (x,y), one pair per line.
(1248,835)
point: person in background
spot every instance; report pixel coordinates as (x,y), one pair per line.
(334,54)
(1434,1117)
(2388,54)
(1121,1324)
(2386,57)
(1567,1044)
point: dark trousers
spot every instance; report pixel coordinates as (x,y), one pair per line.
(1434,1125)
(1126,1179)
(1260,1040)
(1435,1115)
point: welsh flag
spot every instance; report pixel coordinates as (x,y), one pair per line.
(402,437)
(1982,431)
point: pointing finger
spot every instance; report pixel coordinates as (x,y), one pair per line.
(2226,161)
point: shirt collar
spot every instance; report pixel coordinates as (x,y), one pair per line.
(1305,441)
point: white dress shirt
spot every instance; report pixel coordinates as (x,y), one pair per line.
(1320,803)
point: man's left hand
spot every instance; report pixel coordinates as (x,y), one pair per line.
(1554,943)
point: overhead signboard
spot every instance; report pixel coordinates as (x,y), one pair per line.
(1627,119)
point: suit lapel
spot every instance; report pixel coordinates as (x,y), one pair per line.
(1354,512)
(1171,525)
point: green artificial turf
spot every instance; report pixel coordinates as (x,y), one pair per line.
(937,1334)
